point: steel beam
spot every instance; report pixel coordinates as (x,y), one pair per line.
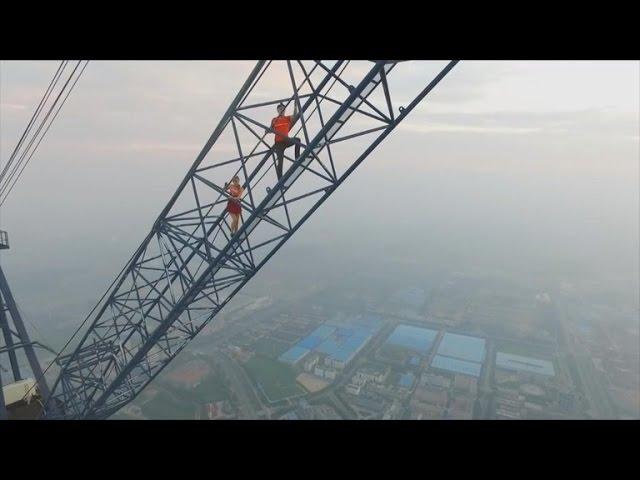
(190,265)
(22,341)
(8,341)
(3,408)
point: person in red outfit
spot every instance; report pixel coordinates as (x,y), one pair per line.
(235,191)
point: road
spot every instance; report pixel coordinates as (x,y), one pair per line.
(577,355)
(485,387)
(248,401)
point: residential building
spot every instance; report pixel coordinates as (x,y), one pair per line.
(373,374)
(507,414)
(311,362)
(353,389)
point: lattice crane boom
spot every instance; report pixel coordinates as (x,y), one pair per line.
(190,265)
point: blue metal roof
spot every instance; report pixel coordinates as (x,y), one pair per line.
(310,342)
(406,380)
(524,364)
(338,342)
(456,365)
(462,347)
(294,354)
(323,331)
(414,338)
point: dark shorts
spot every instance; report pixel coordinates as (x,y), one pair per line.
(280,147)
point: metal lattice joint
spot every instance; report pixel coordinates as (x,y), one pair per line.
(190,265)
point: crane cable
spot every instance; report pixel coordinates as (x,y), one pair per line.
(25,133)
(43,100)
(35,115)
(6,180)
(23,161)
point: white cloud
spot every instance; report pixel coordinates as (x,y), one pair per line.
(451,128)
(12,106)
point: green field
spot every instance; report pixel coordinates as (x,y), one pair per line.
(276,380)
(180,403)
(211,389)
(270,347)
(165,406)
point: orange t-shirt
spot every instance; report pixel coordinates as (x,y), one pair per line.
(282,125)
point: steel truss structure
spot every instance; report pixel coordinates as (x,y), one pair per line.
(190,265)
(15,340)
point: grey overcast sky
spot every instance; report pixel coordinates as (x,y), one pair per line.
(537,159)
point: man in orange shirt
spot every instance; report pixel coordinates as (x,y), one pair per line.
(282,125)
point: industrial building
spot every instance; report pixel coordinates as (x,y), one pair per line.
(412,338)
(520,363)
(337,345)
(294,354)
(461,354)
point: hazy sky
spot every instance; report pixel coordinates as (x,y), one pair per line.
(504,162)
